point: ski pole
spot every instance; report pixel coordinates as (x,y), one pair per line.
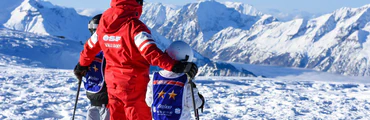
(78,92)
(193,98)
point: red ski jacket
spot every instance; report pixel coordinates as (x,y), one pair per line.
(127,45)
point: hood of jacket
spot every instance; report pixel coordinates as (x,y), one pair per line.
(118,14)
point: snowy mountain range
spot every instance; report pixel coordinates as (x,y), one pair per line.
(42,17)
(38,33)
(230,32)
(196,23)
(294,14)
(243,8)
(335,42)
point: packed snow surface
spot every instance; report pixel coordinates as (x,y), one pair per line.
(37,93)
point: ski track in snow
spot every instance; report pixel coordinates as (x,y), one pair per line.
(37,93)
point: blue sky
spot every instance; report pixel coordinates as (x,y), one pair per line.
(312,6)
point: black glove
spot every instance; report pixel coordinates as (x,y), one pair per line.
(189,68)
(80,71)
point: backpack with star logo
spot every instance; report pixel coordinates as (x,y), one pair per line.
(168,97)
(94,79)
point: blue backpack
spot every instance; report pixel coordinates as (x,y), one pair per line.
(94,79)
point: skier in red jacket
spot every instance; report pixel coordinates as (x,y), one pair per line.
(129,50)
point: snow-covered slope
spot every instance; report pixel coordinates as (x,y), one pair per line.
(155,14)
(243,8)
(29,49)
(42,17)
(34,93)
(336,42)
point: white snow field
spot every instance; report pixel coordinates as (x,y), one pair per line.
(38,93)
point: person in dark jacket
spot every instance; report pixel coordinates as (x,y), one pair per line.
(96,90)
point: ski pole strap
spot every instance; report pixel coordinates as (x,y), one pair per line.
(200,96)
(203,101)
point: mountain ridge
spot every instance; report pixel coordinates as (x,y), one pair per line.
(42,17)
(314,43)
(325,43)
(34,18)
(336,42)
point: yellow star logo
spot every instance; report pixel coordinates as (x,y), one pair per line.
(161,94)
(95,68)
(172,95)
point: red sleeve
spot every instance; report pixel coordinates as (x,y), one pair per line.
(149,50)
(91,48)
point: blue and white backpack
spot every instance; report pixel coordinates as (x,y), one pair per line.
(168,96)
